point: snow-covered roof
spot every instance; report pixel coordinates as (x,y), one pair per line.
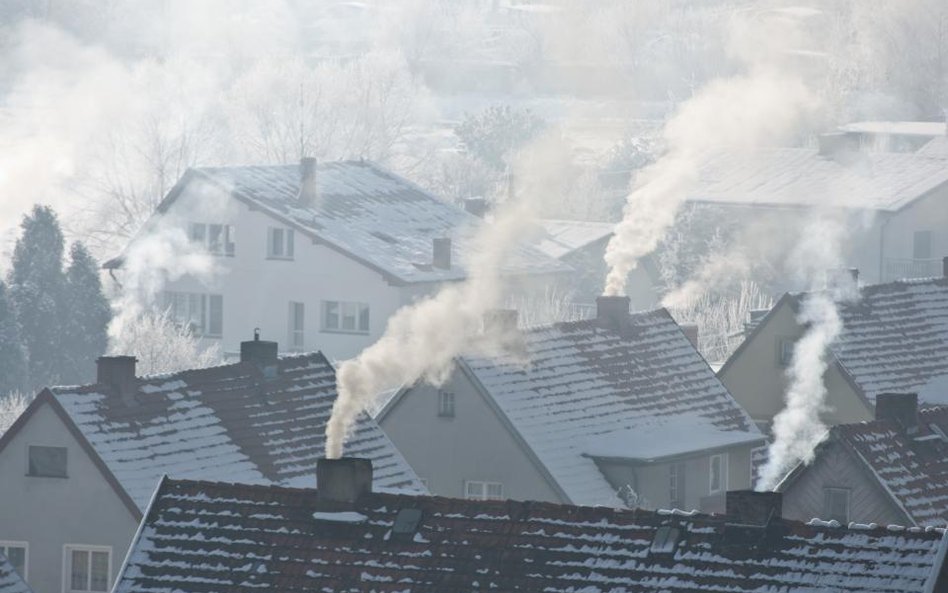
(895,337)
(200,536)
(794,177)
(562,237)
(10,581)
(588,381)
(898,128)
(225,423)
(370,214)
(935,148)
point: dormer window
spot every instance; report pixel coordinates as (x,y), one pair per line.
(279,243)
(217,239)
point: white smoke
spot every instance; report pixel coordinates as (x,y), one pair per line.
(764,106)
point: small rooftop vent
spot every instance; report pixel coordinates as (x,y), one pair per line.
(406,523)
(665,540)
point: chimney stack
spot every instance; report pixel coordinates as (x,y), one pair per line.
(118,372)
(612,311)
(842,278)
(691,332)
(748,507)
(262,353)
(441,253)
(500,320)
(340,482)
(837,145)
(901,408)
(308,191)
(944,266)
(476,206)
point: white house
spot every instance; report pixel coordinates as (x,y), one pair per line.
(320,256)
(78,468)
(616,410)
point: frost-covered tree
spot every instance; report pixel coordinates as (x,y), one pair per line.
(13,361)
(11,406)
(161,345)
(37,287)
(85,328)
(494,134)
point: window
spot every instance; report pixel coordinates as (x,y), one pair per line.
(203,313)
(87,568)
(341,316)
(922,245)
(446,404)
(676,485)
(217,239)
(718,466)
(836,502)
(47,462)
(296,326)
(279,243)
(784,351)
(475,490)
(16,553)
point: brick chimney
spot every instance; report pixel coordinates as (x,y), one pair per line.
(476,206)
(901,408)
(340,482)
(262,353)
(748,507)
(308,191)
(612,311)
(691,332)
(118,373)
(441,253)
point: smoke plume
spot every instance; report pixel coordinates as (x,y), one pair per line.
(764,105)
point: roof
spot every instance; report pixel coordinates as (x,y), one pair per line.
(794,177)
(936,148)
(585,381)
(225,423)
(562,237)
(898,128)
(200,536)
(369,214)
(912,468)
(895,337)
(10,581)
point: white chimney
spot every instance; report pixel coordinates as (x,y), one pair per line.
(308,191)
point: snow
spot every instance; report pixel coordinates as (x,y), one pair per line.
(341,517)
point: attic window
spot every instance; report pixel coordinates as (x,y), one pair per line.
(385,237)
(937,430)
(406,522)
(665,540)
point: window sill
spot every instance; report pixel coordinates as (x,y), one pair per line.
(28,475)
(344,332)
(278,258)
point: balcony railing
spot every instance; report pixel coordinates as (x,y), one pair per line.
(896,268)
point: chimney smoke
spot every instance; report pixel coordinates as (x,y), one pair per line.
(340,482)
(308,191)
(842,278)
(441,253)
(500,320)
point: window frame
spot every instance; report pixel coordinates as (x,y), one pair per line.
(782,342)
(828,491)
(359,312)
(723,471)
(68,549)
(226,246)
(446,403)
(287,243)
(296,326)
(484,487)
(30,474)
(202,311)
(5,546)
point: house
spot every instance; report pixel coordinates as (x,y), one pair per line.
(206,536)
(894,339)
(322,254)
(582,245)
(893,469)
(10,580)
(79,466)
(897,136)
(894,204)
(620,409)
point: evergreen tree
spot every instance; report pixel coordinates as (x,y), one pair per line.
(85,329)
(37,288)
(13,362)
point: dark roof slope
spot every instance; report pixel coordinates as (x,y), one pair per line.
(370,214)
(912,468)
(10,581)
(589,391)
(225,423)
(895,337)
(203,537)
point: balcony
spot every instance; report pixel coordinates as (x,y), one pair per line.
(896,268)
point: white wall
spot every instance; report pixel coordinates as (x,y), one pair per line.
(927,214)
(51,512)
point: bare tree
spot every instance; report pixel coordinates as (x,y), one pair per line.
(11,406)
